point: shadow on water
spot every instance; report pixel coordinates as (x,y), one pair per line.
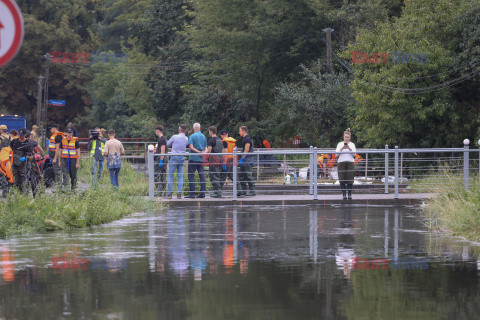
(285,262)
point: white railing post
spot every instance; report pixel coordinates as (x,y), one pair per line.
(151,174)
(235,173)
(310,171)
(466,147)
(315,174)
(396,172)
(386,169)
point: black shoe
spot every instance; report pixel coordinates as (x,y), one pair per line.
(201,195)
(240,195)
(190,196)
(169,196)
(344,197)
(213,195)
(251,194)
(179,196)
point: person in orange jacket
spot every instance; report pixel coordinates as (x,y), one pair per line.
(70,153)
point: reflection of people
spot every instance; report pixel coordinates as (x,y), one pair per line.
(177,243)
(346,169)
(345,259)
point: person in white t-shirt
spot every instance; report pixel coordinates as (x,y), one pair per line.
(346,169)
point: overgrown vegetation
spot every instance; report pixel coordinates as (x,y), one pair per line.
(87,207)
(455,209)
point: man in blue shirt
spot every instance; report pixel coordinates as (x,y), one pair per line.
(197,145)
(178,143)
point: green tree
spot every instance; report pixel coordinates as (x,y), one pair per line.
(316,107)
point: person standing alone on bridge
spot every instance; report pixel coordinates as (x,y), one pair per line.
(197,144)
(179,144)
(346,168)
(245,165)
(114,151)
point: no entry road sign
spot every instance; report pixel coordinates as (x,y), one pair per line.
(11,30)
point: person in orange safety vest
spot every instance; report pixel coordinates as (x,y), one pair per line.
(70,154)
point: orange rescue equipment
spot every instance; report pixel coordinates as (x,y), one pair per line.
(6,163)
(358,158)
(331,159)
(230,145)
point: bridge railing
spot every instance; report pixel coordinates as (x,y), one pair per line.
(312,171)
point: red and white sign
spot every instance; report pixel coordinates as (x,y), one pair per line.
(11,30)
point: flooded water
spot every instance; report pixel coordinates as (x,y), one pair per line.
(299,262)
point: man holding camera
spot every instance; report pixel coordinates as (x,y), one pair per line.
(96,147)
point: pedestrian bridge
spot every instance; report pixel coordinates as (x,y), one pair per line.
(299,176)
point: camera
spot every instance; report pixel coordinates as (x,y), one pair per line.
(94,134)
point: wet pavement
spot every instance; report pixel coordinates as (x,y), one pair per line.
(250,262)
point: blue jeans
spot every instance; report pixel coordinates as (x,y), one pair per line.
(192,167)
(97,166)
(114,176)
(176,163)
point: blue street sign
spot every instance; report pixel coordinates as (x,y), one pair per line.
(58,103)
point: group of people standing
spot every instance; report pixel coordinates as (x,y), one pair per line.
(203,152)
(64,153)
(25,153)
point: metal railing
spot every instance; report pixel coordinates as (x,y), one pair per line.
(381,171)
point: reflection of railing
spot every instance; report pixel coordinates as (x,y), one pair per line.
(297,171)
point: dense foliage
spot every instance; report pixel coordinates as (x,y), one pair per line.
(256,62)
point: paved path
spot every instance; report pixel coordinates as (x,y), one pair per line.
(364,199)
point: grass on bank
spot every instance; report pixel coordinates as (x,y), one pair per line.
(454,209)
(86,207)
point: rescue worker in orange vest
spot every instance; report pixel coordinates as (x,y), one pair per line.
(4,143)
(54,152)
(229,144)
(70,153)
(322,161)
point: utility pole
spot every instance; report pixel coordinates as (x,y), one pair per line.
(43,112)
(39,100)
(328,32)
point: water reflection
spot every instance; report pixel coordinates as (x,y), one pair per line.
(248,262)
